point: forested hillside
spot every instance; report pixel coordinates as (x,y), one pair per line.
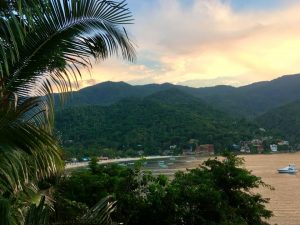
(285,119)
(108,93)
(255,99)
(248,101)
(150,124)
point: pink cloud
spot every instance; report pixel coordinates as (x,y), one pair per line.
(209,41)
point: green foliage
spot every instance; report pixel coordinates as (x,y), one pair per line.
(218,192)
(99,213)
(151,124)
(4,212)
(284,120)
(43,44)
(38,215)
(93,165)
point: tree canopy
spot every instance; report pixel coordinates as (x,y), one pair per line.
(151,124)
(219,192)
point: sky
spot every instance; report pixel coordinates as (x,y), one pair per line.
(203,43)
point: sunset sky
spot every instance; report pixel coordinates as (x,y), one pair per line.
(208,42)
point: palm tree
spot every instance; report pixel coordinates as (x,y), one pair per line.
(43,46)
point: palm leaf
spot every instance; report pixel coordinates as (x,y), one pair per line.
(49,47)
(4,212)
(38,215)
(100,213)
(43,46)
(69,33)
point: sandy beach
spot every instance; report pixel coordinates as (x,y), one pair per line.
(121,160)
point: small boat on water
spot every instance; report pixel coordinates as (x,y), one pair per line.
(289,169)
(122,164)
(162,164)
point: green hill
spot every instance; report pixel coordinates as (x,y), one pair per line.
(248,101)
(150,124)
(258,98)
(285,119)
(108,93)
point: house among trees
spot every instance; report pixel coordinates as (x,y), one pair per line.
(168,152)
(257,145)
(101,158)
(256,142)
(273,148)
(205,149)
(245,148)
(282,142)
(188,151)
(172,147)
(259,148)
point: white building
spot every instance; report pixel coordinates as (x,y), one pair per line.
(273,148)
(245,148)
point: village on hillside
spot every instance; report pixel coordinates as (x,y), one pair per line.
(255,146)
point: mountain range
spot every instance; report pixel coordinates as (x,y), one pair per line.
(116,116)
(247,101)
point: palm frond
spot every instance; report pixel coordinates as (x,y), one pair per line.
(38,215)
(69,32)
(100,213)
(43,46)
(45,50)
(21,172)
(4,212)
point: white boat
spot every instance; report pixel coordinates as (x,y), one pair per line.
(289,169)
(162,164)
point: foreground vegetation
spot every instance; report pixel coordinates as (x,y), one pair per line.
(219,192)
(43,46)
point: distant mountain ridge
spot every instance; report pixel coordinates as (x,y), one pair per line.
(247,101)
(109,92)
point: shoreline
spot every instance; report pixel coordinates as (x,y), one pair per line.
(133,159)
(121,160)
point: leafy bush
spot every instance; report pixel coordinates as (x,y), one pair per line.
(218,192)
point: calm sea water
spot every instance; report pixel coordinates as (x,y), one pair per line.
(284,200)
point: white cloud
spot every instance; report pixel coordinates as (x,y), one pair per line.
(208,41)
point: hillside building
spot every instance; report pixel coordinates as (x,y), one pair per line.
(205,149)
(245,148)
(282,142)
(273,148)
